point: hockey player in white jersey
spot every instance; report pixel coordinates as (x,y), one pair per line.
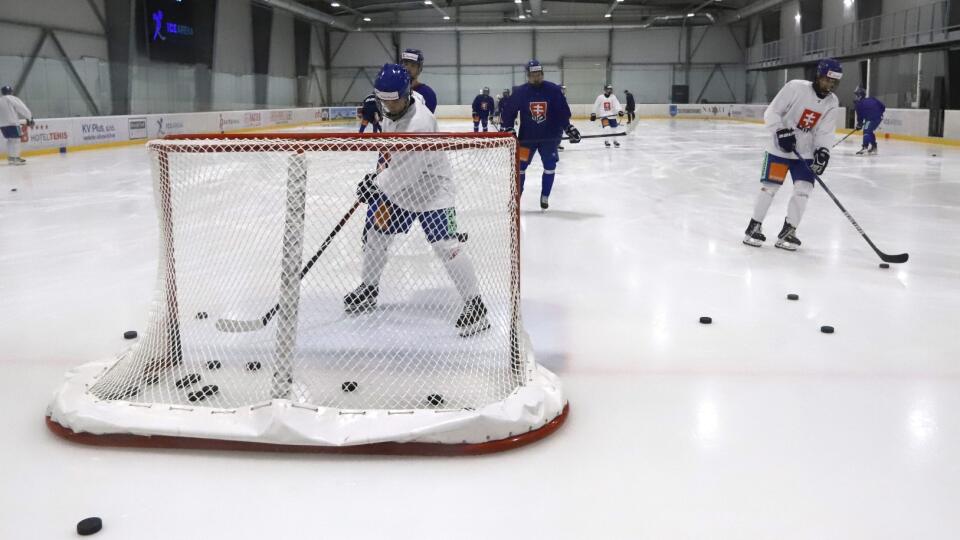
(11,111)
(408,187)
(607,108)
(801,117)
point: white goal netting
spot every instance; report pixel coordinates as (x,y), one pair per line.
(278,288)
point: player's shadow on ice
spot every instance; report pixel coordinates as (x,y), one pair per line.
(561,214)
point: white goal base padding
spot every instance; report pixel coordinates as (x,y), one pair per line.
(535,406)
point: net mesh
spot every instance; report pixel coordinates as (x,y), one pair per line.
(246,311)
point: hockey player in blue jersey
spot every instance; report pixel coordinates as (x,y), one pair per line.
(501,99)
(412,61)
(370,114)
(544,116)
(869,115)
(482,108)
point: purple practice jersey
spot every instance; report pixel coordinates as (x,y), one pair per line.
(429,96)
(870,110)
(482,105)
(543,110)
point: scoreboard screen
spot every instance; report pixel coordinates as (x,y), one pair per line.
(178,30)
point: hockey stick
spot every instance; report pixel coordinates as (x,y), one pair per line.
(900,258)
(534,141)
(229,325)
(845,137)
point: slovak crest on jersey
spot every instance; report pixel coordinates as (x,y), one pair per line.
(808,120)
(538,111)
(607,106)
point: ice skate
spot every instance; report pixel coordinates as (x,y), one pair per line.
(606,143)
(544,202)
(616,144)
(753,235)
(473,318)
(787,239)
(362,299)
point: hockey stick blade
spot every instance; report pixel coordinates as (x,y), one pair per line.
(230,325)
(900,258)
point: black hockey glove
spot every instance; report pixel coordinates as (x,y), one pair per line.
(619,113)
(573,133)
(593,117)
(30,122)
(786,140)
(859,125)
(367,191)
(508,129)
(820,159)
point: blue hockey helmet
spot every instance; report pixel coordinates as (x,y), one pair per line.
(830,67)
(859,93)
(412,55)
(392,89)
(6,90)
(534,66)
(486,90)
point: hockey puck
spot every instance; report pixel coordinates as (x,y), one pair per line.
(189,380)
(348,386)
(253,366)
(91,525)
(793,296)
(202,315)
(884,265)
(214,364)
(203,393)
(14,189)
(130,334)
(705,320)
(435,400)
(826,329)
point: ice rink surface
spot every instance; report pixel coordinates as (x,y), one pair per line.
(757,426)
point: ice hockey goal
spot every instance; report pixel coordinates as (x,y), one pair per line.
(251,342)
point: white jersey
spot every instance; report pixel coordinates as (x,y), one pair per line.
(812,119)
(417,180)
(606,107)
(12,110)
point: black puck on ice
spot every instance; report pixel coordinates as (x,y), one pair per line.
(203,393)
(202,315)
(14,189)
(705,320)
(793,296)
(435,400)
(253,366)
(130,334)
(91,525)
(214,364)
(884,265)
(190,380)
(826,329)
(348,386)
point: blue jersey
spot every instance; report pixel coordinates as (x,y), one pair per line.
(543,110)
(429,96)
(482,105)
(870,110)
(370,110)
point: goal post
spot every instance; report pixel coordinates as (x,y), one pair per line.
(251,342)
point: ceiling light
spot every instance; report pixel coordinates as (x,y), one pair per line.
(517,1)
(428,2)
(522,16)
(334,4)
(543,11)
(367,19)
(619,1)
(446,17)
(691,14)
(606,15)
(797,17)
